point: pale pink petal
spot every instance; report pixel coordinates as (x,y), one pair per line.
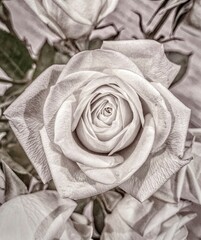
(123,138)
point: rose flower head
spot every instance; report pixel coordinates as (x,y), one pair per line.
(105,119)
(72,19)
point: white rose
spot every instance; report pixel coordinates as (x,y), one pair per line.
(43,216)
(106,119)
(150,220)
(72,19)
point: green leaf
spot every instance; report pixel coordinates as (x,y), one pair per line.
(61,58)
(21,168)
(81,203)
(20,158)
(179,59)
(98,215)
(95,44)
(15,59)
(46,59)
(14,186)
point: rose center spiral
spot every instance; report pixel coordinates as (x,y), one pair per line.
(107,111)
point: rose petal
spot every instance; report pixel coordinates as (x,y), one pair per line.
(180,120)
(68,177)
(74,9)
(153,174)
(40,215)
(153,100)
(162,165)
(127,135)
(41,12)
(151,219)
(121,90)
(72,19)
(186,184)
(98,60)
(25,117)
(132,162)
(116,229)
(71,148)
(12,184)
(60,92)
(150,58)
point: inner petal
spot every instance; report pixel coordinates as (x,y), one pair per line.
(106,112)
(110,120)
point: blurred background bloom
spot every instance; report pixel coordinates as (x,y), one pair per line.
(72,19)
(42,215)
(150,220)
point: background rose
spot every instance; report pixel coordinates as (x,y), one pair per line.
(150,220)
(72,19)
(42,215)
(103,120)
(186,183)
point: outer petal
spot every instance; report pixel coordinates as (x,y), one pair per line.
(69,178)
(163,164)
(150,58)
(181,117)
(186,184)
(70,181)
(42,215)
(26,119)
(149,220)
(98,60)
